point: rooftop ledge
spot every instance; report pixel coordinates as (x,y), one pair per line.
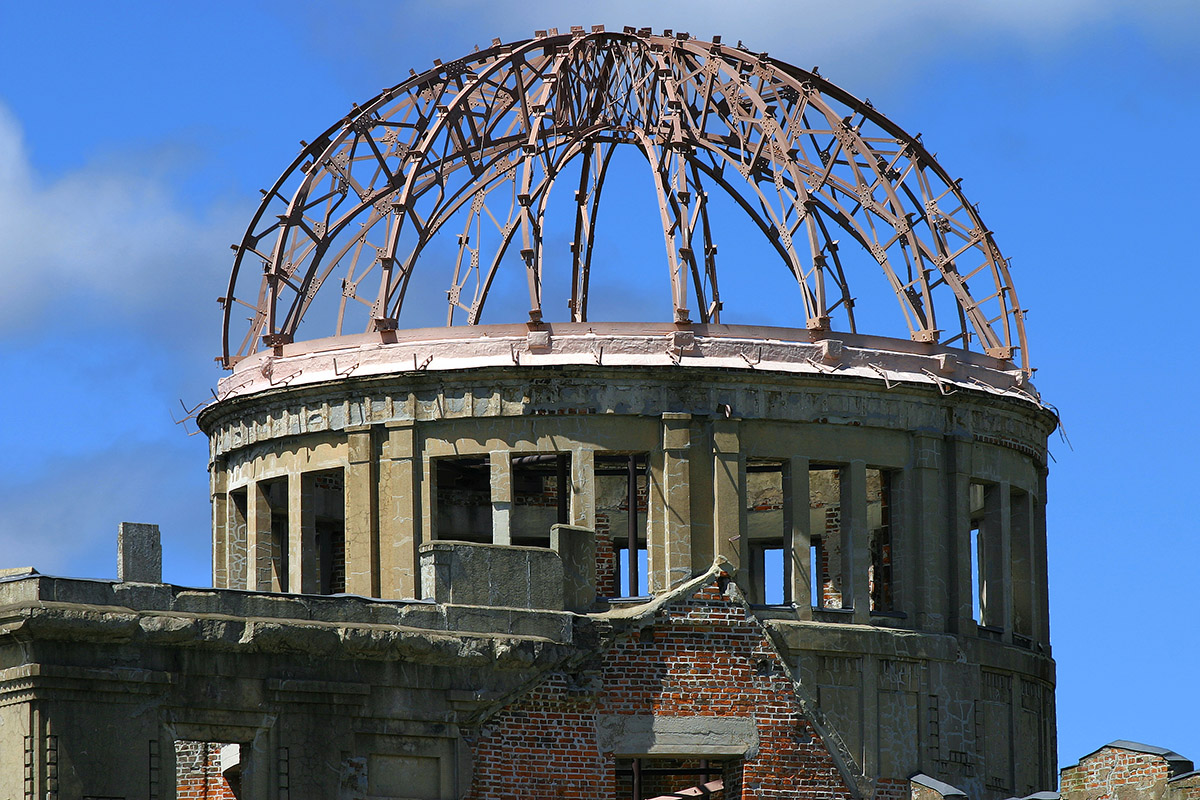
(635,344)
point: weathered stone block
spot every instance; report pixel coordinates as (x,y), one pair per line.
(576,547)
(139,553)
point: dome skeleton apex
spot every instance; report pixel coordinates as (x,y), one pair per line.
(477,144)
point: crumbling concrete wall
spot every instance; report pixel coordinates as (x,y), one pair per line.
(100,680)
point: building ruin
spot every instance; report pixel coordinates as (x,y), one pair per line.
(561,556)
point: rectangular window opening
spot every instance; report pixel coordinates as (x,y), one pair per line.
(208,770)
(622,481)
(976,579)
(816,571)
(463,504)
(329,505)
(825,523)
(986,592)
(640,778)
(237,544)
(768,535)
(541,487)
(275,492)
(879,541)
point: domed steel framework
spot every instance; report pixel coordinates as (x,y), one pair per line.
(473,147)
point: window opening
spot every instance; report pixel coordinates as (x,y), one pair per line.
(329,503)
(768,536)
(879,541)
(816,571)
(208,770)
(622,482)
(238,540)
(641,778)
(275,493)
(987,592)
(541,497)
(976,575)
(464,499)
(825,522)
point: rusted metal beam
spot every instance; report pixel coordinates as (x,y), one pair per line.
(473,147)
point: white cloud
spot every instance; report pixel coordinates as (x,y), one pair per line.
(860,44)
(102,240)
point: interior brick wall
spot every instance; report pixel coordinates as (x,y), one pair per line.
(198,772)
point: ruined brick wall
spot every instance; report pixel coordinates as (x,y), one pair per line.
(1116,774)
(198,772)
(701,657)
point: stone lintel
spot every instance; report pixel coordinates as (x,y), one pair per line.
(653,735)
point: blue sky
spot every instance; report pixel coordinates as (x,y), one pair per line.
(134,138)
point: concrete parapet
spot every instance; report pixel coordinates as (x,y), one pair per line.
(464,573)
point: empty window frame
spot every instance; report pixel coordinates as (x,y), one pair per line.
(769,540)
(329,506)
(541,489)
(987,555)
(237,546)
(825,524)
(463,499)
(639,778)
(880,541)
(816,570)
(208,769)
(275,493)
(621,481)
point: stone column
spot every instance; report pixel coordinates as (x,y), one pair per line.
(502,496)
(302,534)
(676,530)
(797,536)
(655,511)
(399,517)
(258,519)
(1021,526)
(855,543)
(958,533)
(362,535)
(729,479)
(1040,567)
(919,546)
(583,488)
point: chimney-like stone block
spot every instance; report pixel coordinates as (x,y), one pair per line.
(139,553)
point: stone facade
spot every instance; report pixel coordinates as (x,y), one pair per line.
(828,584)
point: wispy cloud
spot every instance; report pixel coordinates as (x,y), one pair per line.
(107,242)
(861,44)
